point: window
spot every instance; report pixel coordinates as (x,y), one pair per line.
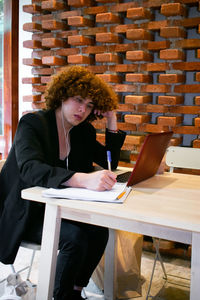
(1,64)
(9,16)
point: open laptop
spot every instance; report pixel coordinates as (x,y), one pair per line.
(149,158)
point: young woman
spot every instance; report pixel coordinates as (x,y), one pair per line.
(57,147)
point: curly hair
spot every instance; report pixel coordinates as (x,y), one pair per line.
(77,80)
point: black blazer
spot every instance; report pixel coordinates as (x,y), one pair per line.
(34,161)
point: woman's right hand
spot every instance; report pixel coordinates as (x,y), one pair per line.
(98,181)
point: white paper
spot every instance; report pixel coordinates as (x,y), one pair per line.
(90,195)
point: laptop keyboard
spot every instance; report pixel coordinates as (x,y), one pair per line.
(124,177)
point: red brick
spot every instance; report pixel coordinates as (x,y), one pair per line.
(198,53)
(156,25)
(41,17)
(32,27)
(125,107)
(110,78)
(31,80)
(32,8)
(143,78)
(187,22)
(94,10)
(187,43)
(80,3)
(38,88)
(79,40)
(137,119)
(53,61)
(42,71)
(170,54)
(32,61)
(65,34)
(139,13)
(186,66)
(31,98)
(45,79)
(152,108)
(171,78)
(122,88)
(105,1)
(108,38)
(138,34)
(138,55)
(170,100)
(126,126)
(98,69)
(32,44)
(53,5)
(172,32)
(196,144)
(153,88)
(152,128)
(122,28)
(131,141)
(197,100)
(157,67)
(169,121)
(71,13)
(108,57)
(124,68)
(108,17)
(186,130)
(185,109)
(197,122)
(39,36)
(94,49)
(79,59)
(121,47)
(198,76)
(40,53)
(187,88)
(40,105)
(80,21)
(176,141)
(153,3)
(53,25)
(123,7)
(138,99)
(173,9)
(53,43)
(67,51)
(93,31)
(158,45)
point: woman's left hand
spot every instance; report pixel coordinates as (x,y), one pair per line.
(111,118)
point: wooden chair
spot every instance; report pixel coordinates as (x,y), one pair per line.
(176,157)
(34,247)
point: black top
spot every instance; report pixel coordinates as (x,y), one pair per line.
(34,161)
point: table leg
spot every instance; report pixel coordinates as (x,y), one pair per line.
(48,256)
(110,267)
(195,267)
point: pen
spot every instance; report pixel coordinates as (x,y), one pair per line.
(121,195)
(109,160)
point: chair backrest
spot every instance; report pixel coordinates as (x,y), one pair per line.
(183,157)
(2,163)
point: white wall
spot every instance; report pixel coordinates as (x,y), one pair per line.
(24,71)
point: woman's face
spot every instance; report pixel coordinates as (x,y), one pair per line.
(76,109)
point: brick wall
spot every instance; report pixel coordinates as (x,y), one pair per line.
(148,50)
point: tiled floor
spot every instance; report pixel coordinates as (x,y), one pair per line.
(161,289)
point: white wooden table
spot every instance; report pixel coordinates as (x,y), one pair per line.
(164,206)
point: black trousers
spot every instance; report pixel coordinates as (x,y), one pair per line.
(81,248)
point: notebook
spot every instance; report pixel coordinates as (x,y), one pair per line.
(117,194)
(149,158)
